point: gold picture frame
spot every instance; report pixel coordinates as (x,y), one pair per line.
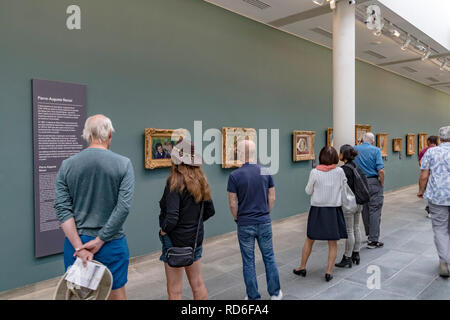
(397,144)
(160,139)
(230,138)
(360,130)
(383,143)
(330,137)
(410,144)
(422,141)
(303,145)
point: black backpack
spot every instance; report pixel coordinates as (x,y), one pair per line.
(362,193)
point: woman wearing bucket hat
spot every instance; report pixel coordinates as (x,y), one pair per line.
(185,204)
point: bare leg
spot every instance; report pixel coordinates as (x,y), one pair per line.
(332,253)
(118,294)
(194,275)
(174,277)
(306,252)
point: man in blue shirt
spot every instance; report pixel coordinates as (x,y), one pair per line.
(434,185)
(251,194)
(369,160)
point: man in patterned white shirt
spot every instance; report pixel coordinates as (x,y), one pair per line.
(434,185)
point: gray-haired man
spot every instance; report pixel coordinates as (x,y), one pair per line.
(434,185)
(93,194)
(369,160)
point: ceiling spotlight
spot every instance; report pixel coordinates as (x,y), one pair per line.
(395,33)
(321,3)
(407,42)
(332,4)
(444,64)
(426,55)
(422,48)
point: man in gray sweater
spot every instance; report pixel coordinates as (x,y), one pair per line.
(93,195)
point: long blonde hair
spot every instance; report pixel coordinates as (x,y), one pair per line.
(192,178)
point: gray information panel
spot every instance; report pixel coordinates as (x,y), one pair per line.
(59,113)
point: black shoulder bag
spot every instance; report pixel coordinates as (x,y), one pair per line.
(179,257)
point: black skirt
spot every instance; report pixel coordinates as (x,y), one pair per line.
(326,223)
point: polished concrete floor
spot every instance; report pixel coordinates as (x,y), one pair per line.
(408,263)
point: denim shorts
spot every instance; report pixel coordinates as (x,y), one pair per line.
(113,254)
(167,243)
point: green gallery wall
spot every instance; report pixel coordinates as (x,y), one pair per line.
(164,64)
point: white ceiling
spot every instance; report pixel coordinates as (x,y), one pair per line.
(306,16)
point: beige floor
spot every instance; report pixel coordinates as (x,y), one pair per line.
(408,263)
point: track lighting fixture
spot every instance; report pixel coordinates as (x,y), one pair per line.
(427,54)
(406,43)
(321,3)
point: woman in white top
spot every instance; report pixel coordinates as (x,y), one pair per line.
(326,219)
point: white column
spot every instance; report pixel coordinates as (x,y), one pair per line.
(343,74)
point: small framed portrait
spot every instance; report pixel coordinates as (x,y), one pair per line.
(360,130)
(329,137)
(410,144)
(303,145)
(231,136)
(397,144)
(158,146)
(382,143)
(422,141)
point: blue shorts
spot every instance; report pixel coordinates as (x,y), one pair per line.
(113,254)
(167,243)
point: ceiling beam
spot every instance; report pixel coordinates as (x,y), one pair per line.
(300,16)
(434,56)
(296,17)
(439,84)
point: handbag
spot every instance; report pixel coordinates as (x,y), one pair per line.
(179,257)
(349,204)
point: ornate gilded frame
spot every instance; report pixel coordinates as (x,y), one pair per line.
(422,143)
(150,134)
(397,144)
(310,156)
(384,151)
(329,139)
(227,132)
(363,127)
(410,144)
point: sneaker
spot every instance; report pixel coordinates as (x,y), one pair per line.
(428,216)
(375,244)
(246,298)
(277,297)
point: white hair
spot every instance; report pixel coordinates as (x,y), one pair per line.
(444,133)
(97,128)
(369,137)
(246,150)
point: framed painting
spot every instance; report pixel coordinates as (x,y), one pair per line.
(382,143)
(422,141)
(158,146)
(410,144)
(397,144)
(360,130)
(303,145)
(231,136)
(329,137)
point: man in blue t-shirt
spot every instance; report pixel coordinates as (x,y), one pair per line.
(251,195)
(369,160)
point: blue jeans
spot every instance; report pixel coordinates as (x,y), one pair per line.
(263,234)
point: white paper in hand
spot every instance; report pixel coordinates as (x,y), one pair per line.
(87,277)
